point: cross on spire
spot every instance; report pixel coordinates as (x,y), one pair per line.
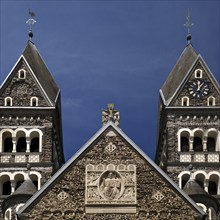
(188,25)
(31,22)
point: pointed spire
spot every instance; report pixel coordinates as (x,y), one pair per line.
(188,25)
(31,22)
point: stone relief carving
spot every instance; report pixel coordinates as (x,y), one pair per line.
(107,185)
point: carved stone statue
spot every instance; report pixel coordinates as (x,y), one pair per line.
(110,115)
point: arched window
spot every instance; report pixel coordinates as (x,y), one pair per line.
(213,184)
(8,101)
(184,179)
(200,179)
(21,142)
(34,179)
(22,74)
(34,147)
(19,179)
(211,101)
(198,73)
(5,186)
(185,101)
(184,141)
(7,142)
(197,141)
(34,101)
(211,141)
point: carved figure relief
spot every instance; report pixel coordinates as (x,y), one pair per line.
(110,184)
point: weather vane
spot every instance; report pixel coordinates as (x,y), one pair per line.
(31,22)
(188,25)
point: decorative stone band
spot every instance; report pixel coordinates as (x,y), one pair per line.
(200,157)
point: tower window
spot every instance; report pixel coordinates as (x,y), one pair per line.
(34,145)
(212,188)
(7,142)
(22,74)
(184,144)
(211,144)
(211,101)
(198,73)
(6,188)
(197,144)
(185,101)
(21,144)
(8,101)
(34,101)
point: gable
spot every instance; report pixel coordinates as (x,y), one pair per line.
(110,178)
(21,86)
(198,89)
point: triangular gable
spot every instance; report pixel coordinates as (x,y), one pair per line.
(38,69)
(33,84)
(110,174)
(183,88)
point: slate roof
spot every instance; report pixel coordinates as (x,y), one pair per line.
(41,71)
(62,170)
(27,187)
(178,73)
(193,188)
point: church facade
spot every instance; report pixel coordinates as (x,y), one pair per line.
(110,177)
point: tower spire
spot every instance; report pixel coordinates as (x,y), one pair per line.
(188,25)
(31,22)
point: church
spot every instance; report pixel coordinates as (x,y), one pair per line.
(110,177)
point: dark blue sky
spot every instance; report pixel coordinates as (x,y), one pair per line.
(102,52)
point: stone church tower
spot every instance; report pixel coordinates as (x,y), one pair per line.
(189,129)
(31,148)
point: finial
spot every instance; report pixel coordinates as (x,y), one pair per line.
(188,25)
(31,22)
(110,115)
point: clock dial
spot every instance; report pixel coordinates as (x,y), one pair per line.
(198,88)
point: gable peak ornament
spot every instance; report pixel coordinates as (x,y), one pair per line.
(110,115)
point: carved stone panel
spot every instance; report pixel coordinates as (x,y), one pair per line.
(110,185)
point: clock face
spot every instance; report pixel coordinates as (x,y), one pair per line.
(198,88)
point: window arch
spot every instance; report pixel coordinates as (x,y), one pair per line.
(184,179)
(8,101)
(184,141)
(7,144)
(22,74)
(35,180)
(211,101)
(34,101)
(185,101)
(213,184)
(200,179)
(21,141)
(5,185)
(19,179)
(211,140)
(198,141)
(198,73)
(34,141)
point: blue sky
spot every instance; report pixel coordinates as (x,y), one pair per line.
(102,52)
